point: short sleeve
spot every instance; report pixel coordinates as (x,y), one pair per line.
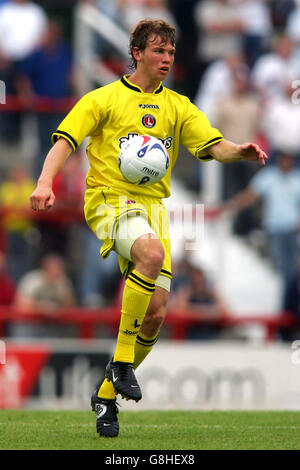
(81,122)
(197,134)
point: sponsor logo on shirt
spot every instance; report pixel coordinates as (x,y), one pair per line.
(148,106)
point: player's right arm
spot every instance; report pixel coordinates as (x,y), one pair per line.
(82,121)
(43,197)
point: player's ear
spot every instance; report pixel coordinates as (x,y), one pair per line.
(136,52)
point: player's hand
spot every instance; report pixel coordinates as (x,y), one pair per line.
(252,153)
(42,198)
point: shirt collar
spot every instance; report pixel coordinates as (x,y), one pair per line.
(130,85)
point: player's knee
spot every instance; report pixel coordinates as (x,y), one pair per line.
(155,257)
(149,257)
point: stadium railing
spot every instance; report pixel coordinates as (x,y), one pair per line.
(176,323)
(38,104)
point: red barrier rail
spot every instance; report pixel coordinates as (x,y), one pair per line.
(16,104)
(60,213)
(87,320)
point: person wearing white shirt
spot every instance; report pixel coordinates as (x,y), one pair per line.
(274,69)
(218,83)
(22,24)
(281,122)
(219,25)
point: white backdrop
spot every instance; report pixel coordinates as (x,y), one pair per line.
(221,376)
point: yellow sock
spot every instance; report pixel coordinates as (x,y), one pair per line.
(136,298)
(107,390)
(143,346)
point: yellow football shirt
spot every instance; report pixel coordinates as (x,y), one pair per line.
(111,115)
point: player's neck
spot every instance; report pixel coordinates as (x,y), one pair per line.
(146,84)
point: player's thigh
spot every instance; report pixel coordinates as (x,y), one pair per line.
(134,236)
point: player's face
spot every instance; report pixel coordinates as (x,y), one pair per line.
(157,59)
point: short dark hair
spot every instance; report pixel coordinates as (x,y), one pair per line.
(145,29)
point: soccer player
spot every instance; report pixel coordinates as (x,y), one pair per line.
(135,104)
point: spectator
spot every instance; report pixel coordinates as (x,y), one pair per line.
(180,270)
(278,186)
(47,288)
(200,300)
(238,112)
(43,291)
(7,284)
(134,11)
(220,26)
(217,83)
(46,74)
(274,69)
(22,24)
(14,194)
(292,29)
(257,28)
(281,123)
(280,12)
(238,116)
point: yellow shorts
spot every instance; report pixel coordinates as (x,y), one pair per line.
(105,207)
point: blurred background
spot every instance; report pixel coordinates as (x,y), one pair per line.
(230,336)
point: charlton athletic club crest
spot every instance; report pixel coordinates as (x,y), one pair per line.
(148,121)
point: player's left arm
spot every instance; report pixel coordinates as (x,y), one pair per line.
(229,152)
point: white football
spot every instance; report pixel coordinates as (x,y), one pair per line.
(143,160)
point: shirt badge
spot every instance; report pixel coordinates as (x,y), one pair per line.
(148,121)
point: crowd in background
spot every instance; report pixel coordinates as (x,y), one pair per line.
(237,60)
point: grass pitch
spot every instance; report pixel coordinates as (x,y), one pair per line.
(151,430)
